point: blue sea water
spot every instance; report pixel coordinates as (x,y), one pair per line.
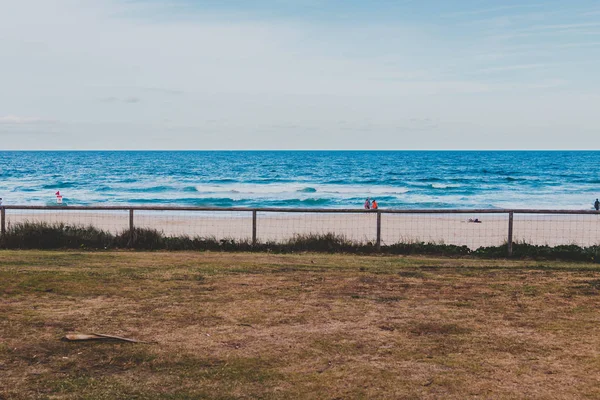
(323,179)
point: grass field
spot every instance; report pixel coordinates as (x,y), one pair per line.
(239,325)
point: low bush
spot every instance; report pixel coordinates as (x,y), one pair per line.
(543,252)
(41,235)
(427,248)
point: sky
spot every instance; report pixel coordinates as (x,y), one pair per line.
(299,74)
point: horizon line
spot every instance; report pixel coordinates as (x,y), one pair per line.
(291,150)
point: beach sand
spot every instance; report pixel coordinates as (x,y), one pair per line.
(583,230)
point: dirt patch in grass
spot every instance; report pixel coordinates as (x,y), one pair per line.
(433,328)
(304,326)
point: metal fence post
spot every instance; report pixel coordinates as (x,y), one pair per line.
(131,231)
(253,227)
(378,244)
(510,234)
(3,221)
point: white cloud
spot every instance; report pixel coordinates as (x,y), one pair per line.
(126,100)
(581,44)
(562,26)
(591,13)
(492,10)
(20,120)
(519,67)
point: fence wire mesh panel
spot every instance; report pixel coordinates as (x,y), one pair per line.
(555,229)
(280,226)
(205,224)
(113,221)
(471,230)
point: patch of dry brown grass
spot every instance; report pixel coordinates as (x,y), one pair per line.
(296,326)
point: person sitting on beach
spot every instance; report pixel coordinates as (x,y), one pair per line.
(597,205)
(374,205)
(476,220)
(368,204)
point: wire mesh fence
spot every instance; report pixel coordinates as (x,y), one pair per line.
(471,228)
(557,229)
(281,226)
(235,225)
(113,221)
(461,229)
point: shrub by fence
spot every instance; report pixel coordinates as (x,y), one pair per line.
(564,234)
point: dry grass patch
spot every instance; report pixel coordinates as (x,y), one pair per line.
(305,326)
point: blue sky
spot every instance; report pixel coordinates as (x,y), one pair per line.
(312,74)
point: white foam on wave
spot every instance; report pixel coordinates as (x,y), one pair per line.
(298,189)
(339,195)
(445,185)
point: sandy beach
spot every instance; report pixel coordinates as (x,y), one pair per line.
(583,230)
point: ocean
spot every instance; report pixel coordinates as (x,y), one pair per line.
(311,179)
